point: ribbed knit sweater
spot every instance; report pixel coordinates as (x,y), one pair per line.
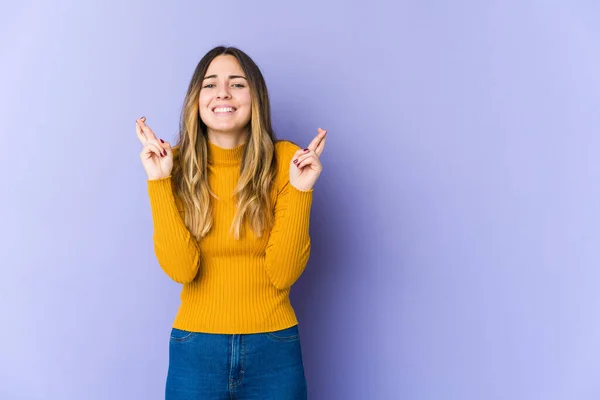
(234,286)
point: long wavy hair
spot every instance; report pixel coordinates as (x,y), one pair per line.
(258,167)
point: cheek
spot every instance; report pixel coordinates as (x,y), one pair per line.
(247,113)
(247,102)
(203,101)
(247,99)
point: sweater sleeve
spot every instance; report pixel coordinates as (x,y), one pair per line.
(176,250)
(288,247)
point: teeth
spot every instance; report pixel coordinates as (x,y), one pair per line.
(223,109)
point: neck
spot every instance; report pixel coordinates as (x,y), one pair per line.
(218,155)
(228,140)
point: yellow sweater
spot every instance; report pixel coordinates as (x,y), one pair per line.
(234,286)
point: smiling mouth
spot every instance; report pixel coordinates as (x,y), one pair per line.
(224,110)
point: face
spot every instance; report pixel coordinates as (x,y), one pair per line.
(225,100)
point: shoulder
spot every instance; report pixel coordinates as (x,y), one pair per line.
(284,150)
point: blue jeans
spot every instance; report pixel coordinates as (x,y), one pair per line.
(242,366)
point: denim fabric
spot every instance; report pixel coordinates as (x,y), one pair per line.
(208,366)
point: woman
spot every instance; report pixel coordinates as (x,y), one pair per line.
(231,209)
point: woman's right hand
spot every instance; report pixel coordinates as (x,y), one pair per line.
(156,155)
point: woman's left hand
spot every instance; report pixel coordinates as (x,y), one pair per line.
(305,166)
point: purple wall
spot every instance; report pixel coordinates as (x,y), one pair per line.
(455,226)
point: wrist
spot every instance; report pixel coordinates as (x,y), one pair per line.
(157,178)
(302,189)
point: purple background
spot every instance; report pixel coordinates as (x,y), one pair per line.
(455,226)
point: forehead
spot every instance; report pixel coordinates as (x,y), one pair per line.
(224,65)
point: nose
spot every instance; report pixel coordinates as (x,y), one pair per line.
(223,92)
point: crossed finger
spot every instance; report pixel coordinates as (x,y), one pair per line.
(147,137)
(318,143)
(321,146)
(146,129)
(139,132)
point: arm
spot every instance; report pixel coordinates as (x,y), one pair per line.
(176,249)
(288,247)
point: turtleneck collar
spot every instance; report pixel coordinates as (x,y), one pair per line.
(220,156)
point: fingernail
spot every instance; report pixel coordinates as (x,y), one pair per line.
(162,141)
(165,152)
(295,161)
(305,150)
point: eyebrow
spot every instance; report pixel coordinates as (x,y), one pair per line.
(230,77)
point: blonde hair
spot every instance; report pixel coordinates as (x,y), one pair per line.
(258,167)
